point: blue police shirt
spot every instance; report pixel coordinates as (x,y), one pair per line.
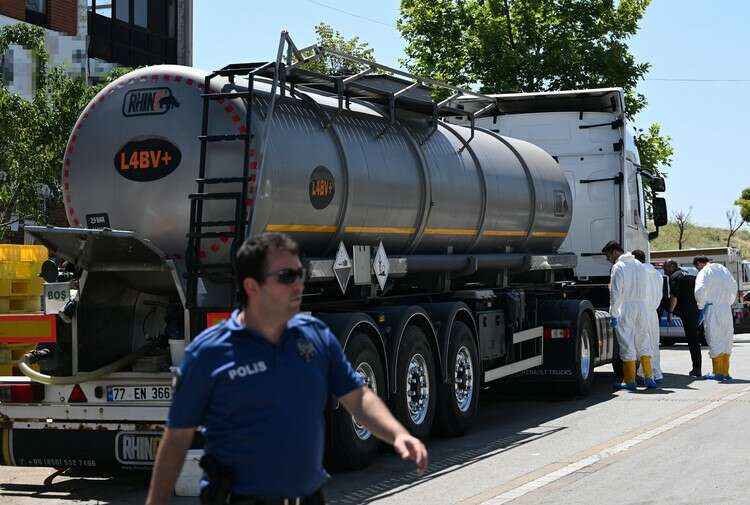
(261,406)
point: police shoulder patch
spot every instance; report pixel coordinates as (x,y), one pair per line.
(306,349)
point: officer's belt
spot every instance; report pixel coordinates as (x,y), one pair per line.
(250,500)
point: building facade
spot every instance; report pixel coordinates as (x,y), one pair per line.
(90,37)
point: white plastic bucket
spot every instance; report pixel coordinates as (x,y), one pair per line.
(188,483)
(176,351)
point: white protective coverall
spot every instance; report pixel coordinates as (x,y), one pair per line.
(655,285)
(715,285)
(628,302)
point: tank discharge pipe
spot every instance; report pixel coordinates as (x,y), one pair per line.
(116,366)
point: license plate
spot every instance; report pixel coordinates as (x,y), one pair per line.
(148,393)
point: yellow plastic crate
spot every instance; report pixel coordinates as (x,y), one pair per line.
(33,253)
(18,270)
(22,287)
(8,369)
(13,305)
(15,253)
(18,350)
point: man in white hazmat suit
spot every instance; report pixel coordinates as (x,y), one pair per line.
(655,285)
(715,292)
(628,294)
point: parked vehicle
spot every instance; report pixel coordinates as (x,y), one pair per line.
(444,257)
(730,257)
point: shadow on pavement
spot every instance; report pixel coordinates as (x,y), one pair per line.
(101,490)
(509,417)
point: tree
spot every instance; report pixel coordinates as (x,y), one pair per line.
(532,45)
(34,133)
(682,220)
(330,38)
(735,223)
(654,149)
(744,204)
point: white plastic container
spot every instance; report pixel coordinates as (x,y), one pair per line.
(188,483)
(176,351)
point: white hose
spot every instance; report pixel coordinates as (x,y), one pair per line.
(118,365)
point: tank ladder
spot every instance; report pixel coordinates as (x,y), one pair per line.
(196,268)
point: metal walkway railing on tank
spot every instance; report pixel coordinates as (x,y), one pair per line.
(390,88)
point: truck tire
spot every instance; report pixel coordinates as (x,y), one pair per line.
(414,403)
(584,360)
(459,396)
(351,446)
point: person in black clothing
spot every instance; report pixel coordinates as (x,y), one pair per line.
(682,303)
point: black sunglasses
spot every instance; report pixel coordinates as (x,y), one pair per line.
(288,275)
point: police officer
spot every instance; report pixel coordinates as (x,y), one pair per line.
(258,384)
(682,303)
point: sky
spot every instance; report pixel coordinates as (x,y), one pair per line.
(696,87)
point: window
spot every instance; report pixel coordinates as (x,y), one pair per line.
(140,13)
(38,6)
(122,10)
(101,7)
(36,12)
(171,19)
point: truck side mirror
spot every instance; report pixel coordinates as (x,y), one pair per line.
(659,211)
(658,185)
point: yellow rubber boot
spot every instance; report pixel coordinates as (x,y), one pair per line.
(648,372)
(717,369)
(628,376)
(725,367)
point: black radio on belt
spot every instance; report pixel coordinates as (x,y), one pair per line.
(219,482)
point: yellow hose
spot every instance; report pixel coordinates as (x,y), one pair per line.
(118,365)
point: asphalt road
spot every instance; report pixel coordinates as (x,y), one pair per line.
(686,443)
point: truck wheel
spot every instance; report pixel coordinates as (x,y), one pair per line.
(414,404)
(584,362)
(352,446)
(457,406)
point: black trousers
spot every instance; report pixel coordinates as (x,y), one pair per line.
(690,322)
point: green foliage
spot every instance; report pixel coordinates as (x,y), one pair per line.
(525,45)
(533,45)
(743,202)
(34,133)
(32,38)
(654,149)
(330,38)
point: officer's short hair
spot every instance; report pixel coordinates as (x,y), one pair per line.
(640,255)
(612,245)
(672,264)
(700,259)
(252,257)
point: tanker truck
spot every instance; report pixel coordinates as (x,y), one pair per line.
(444,256)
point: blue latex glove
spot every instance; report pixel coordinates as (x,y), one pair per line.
(613,322)
(702,313)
